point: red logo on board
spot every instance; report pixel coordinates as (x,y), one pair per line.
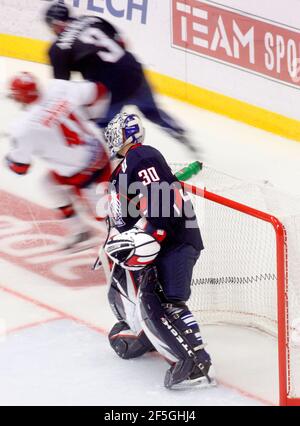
(238,39)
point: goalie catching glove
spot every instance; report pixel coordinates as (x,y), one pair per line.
(133,249)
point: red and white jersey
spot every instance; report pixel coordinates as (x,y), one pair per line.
(56,128)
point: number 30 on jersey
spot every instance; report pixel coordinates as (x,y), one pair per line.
(149,175)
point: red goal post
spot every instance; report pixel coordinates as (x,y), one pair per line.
(283,324)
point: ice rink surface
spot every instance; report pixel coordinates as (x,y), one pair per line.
(54,315)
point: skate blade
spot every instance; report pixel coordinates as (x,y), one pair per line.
(202,383)
(80,247)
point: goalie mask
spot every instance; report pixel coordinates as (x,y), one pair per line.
(123,129)
(132,250)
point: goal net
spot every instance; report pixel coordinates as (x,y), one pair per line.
(249,273)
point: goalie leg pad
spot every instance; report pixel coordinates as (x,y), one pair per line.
(126,344)
(173,331)
(116,301)
(122,296)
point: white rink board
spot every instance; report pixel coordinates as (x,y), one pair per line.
(149,24)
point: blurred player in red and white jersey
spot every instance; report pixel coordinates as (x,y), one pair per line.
(55,127)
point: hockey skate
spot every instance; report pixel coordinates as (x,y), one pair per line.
(188,143)
(80,242)
(186,374)
(181,136)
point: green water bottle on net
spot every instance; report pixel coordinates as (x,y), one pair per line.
(189,171)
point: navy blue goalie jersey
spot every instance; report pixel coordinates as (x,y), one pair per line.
(93,47)
(143,185)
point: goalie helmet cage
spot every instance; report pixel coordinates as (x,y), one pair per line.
(277,323)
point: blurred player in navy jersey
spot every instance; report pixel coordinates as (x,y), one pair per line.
(93,47)
(154,243)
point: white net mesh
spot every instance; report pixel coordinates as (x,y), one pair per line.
(235,280)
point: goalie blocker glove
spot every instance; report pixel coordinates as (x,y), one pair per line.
(134,249)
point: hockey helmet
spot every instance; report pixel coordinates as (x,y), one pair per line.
(124,129)
(56,13)
(23,88)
